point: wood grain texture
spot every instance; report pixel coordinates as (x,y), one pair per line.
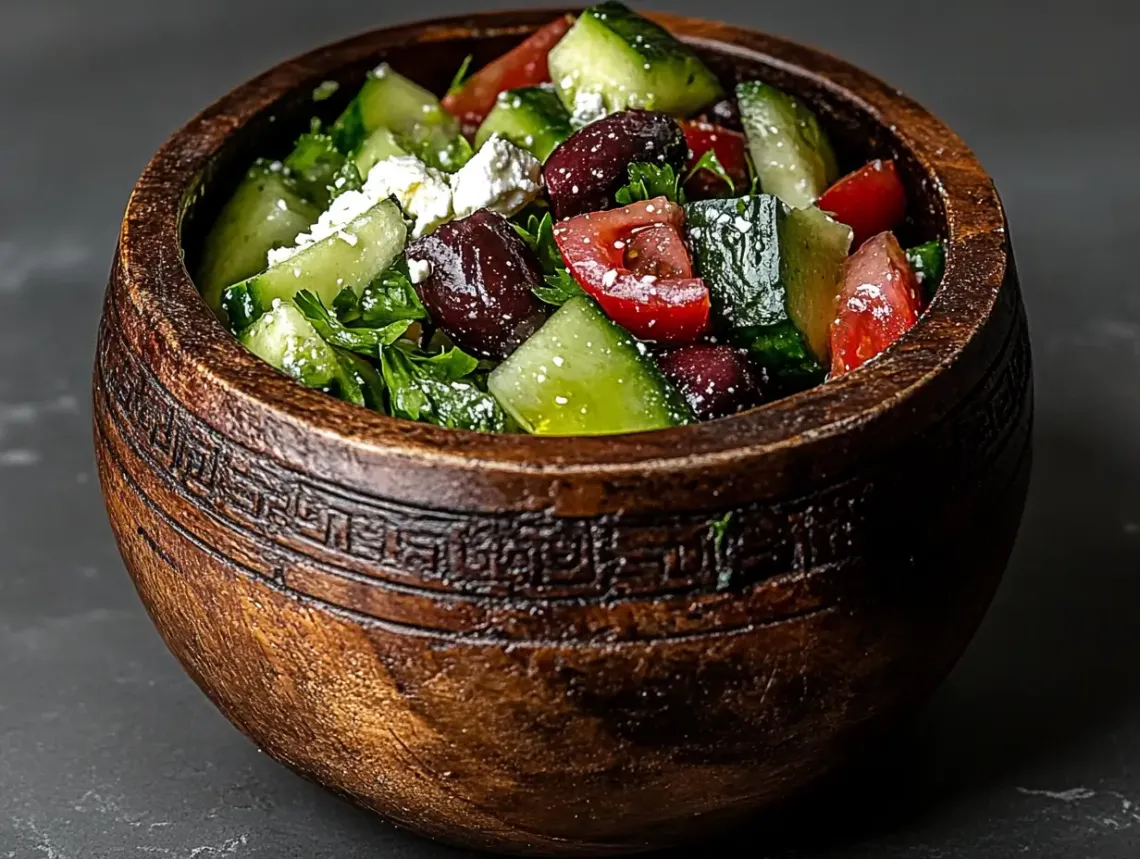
(535,645)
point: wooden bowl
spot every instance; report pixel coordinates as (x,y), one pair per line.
(538,645)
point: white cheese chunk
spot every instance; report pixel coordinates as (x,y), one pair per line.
(501,177)
(419,270)
(588,107)
(422,191)
(344,210)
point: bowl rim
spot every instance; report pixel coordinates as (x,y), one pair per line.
(150,263)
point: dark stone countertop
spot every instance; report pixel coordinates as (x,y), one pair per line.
(1032,747)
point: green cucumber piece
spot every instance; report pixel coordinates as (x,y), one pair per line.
(581,374)
(790,151)
(773,274)
(532,118)
(325,267)
(378,146)
(630,62)
(266,211)
(928,261)
(284,338)
(415,116)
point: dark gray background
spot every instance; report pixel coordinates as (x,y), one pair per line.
(1032,747)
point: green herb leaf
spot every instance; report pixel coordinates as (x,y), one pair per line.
(321,172)
(365,340)
(710,162)
(719,529)
(539,236)
(559,288)
(325,90)
(391,298)
(753,177)
(347,381)
(647,181)
(439,389)
(460,75)
(366,377)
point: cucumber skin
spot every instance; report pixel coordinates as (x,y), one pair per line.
(413,114)
(677,82)
(528,381)
(801,169)
(929,261)
(774,284)
(381,235)
(532,118)
(251,224)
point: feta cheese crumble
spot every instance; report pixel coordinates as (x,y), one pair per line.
(501,177)
(421,191)
(588,107)
(419,270)
(334,221)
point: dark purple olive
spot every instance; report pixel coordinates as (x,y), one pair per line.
(478,290)
(587,169)
(716,380)
(725,113)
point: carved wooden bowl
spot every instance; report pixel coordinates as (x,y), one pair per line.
(537,645)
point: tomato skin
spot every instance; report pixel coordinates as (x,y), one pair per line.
(729,147)
(879,302)
(871,200)
(612,254)
(523,65)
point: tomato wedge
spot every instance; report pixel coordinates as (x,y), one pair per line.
(634,262)
(729,147)
(523,65)
(878,302)
(870,201)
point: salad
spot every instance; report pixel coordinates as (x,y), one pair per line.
(589,235)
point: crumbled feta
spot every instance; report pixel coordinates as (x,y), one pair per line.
(333,221)
(419,270)
(588,107)
(501,177)
(421,191)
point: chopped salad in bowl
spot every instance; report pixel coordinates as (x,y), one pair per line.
(589,235)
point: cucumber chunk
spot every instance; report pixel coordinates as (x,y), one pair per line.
(773,275)
(351,257)
(581,374)
(790,151)
(532,118)
(378,146)
(415,116)
(284,338)
(928,261)
(630,62)
(266,211)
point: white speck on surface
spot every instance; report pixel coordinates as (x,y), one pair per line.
(19,457)
(1076,794)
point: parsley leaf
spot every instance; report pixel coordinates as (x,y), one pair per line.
(365,340)
(647,181)
(322,173)
(439,389)
(460,75)
(719,529)
(710,162)
(559,288)
(539,236)
(391,298)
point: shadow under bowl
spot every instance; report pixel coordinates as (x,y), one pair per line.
(538,645)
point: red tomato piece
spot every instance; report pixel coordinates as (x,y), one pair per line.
(878,302)
(870,201)
(729,147)
(633,261)
(523,65)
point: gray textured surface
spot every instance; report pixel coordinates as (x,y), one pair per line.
(1032,747)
